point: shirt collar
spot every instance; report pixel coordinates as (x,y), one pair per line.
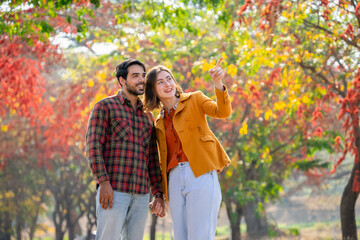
(124,100)
(162,112)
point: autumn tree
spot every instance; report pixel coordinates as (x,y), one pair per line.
(323,37)
(22,86)
(280,133)
(284,64)
(280,129)
(31,124)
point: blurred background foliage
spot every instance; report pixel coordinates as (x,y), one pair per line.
(292,73)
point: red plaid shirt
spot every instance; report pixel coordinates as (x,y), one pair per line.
(121,146)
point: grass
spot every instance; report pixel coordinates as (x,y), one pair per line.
(159,236)
(50,238)
(222,231)
(323,230)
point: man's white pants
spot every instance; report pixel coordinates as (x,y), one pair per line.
(194,203)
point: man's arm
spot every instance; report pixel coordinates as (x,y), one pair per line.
(154,166)
(95,139)
(158,204)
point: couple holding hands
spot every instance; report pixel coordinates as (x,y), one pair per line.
(176,157)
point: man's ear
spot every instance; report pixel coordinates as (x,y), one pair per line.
(122,81)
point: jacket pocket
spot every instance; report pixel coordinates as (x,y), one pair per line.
(207,138)
(146,134)
(120,130)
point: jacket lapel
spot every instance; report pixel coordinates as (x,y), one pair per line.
(181,105)
(159,124)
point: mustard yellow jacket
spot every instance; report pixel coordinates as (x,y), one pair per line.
(199,143)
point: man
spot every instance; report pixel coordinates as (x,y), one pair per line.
(122,154)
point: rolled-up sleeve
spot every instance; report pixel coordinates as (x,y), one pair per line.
(95,139)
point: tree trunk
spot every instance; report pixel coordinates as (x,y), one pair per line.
(234,212)
(5,226)
(71,232)
(70,224)
(59,234)
(19,226)
(90,224)
(153,226)
(347,209)
(33,222)
(256,223)
(90,206)
(58,221)
(349,197)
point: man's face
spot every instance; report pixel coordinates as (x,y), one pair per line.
(135,82)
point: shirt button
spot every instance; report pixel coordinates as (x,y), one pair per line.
(187,119)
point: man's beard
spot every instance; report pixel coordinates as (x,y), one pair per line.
(132,89)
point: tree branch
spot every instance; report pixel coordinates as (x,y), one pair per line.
(322,77)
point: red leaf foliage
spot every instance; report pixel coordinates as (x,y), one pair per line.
(350,113)
(316,115)
(357,11)
(356,186)
(349,32)
(21,82)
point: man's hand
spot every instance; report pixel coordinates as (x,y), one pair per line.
(157,207)
(217,74)
(106,195)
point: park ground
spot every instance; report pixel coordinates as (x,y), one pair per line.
(306,215)
(311,217)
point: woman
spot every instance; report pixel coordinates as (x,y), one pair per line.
(190,154)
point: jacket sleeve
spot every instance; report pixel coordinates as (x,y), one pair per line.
(95,139)
(219,109)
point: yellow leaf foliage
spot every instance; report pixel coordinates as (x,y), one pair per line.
(235,159)
(4,128)
(268,114)
(243,129)
(279,106)
(9,195)
(167,42)
(232,70)
(207,66)
(306,99)
(101,76)
(91,83)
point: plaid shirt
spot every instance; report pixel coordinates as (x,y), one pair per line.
(121,146)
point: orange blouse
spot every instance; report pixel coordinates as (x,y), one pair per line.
(175,153)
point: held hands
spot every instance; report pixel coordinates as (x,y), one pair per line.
(158,207)
(217,74)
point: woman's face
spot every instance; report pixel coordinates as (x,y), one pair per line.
(165,86)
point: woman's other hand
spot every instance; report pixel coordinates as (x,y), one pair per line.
(217,74)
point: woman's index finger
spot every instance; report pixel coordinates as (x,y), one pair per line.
(219,62)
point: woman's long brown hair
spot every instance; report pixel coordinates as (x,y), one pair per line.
(151,101)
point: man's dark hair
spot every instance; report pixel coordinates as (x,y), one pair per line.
(122,68)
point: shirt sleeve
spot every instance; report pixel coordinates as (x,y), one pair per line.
(219,109)
(95,139)
(154,166)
